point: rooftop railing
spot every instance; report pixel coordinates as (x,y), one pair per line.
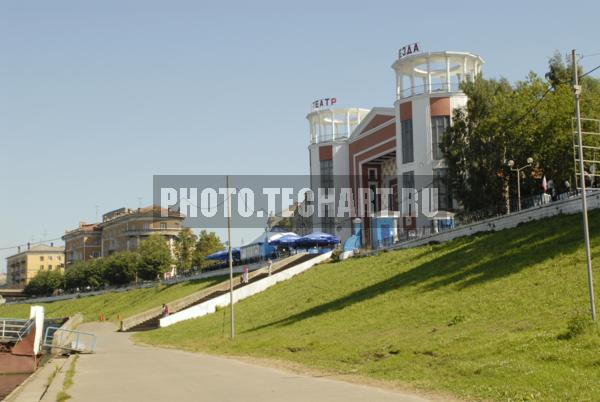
(429,89)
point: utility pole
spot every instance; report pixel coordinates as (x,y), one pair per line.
(586,231)
(232,332)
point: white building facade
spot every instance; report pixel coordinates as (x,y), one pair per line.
(393,147)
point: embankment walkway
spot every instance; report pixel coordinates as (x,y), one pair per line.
(123,371)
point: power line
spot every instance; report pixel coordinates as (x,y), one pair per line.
(589,72)
(25,244)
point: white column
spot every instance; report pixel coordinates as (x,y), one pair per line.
(332,125)
(348,122)
(465,77)
(447,73)
(428,89)
(318,120)
(412,83)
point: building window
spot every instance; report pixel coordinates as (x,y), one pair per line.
(58,258)
(163,225)
(50,257)
(41,258)
(41,267)
(439,124)
(408,182)
(372,174)
(49,267)
(440,181)
(146,226)
(407,141)
(326,177)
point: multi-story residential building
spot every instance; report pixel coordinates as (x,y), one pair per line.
(24,265)
(83,243)
(392,147)
(124,228)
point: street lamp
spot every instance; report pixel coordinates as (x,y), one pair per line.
(511,163)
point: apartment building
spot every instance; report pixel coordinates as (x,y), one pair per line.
(124,229)
(83,243)
(24,265)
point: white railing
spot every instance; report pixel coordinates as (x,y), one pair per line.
(14,330)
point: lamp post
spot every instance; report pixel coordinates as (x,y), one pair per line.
(230,258)
(511,163)
(586,229)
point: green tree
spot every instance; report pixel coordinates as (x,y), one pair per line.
(82,274)
(155,257)
(121,268)
(44,283)
(75,276)
(185,246)
(208,243)
(502,122)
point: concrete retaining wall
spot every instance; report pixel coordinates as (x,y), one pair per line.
(570,206)
(251,289)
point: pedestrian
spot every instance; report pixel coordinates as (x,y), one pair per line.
(245,275)
(270,262)
(165,310)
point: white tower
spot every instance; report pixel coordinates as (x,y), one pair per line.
(328,152)
(427,91)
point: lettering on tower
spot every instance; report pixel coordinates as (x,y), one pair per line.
(324,102)
(409,49)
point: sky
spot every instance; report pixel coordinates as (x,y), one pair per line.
(97,97)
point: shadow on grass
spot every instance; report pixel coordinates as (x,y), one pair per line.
(470,262)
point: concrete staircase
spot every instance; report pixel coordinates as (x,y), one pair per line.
(149,319)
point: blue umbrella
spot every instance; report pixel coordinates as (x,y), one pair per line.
(317,239)
(287,240)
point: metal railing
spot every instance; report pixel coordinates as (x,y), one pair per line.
(69,340)
(328,137)
(14,330)
(431,88)
(464,219)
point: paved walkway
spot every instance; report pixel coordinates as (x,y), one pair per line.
(122,371)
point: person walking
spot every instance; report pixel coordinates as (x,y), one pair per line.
(165,310)
(270,262)
(245,275)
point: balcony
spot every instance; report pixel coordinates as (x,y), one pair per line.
(433,88)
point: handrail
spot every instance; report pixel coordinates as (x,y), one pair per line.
(69,334)
(14,329)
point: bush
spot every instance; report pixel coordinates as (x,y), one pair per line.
(578,325)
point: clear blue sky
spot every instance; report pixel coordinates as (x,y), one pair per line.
(96,97)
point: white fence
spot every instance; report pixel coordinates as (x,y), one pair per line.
(210,306)
(569,206)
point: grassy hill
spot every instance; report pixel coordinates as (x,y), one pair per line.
(113,303)
(497,316)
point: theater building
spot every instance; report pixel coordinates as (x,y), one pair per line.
(392,147)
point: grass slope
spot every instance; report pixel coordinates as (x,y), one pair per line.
(113,303)
(484,317)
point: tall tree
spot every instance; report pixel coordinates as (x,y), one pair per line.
(502,122)
(185,246)
(208,243)
(121,268)
(155,257)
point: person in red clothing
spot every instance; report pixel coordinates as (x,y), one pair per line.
(165,310)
